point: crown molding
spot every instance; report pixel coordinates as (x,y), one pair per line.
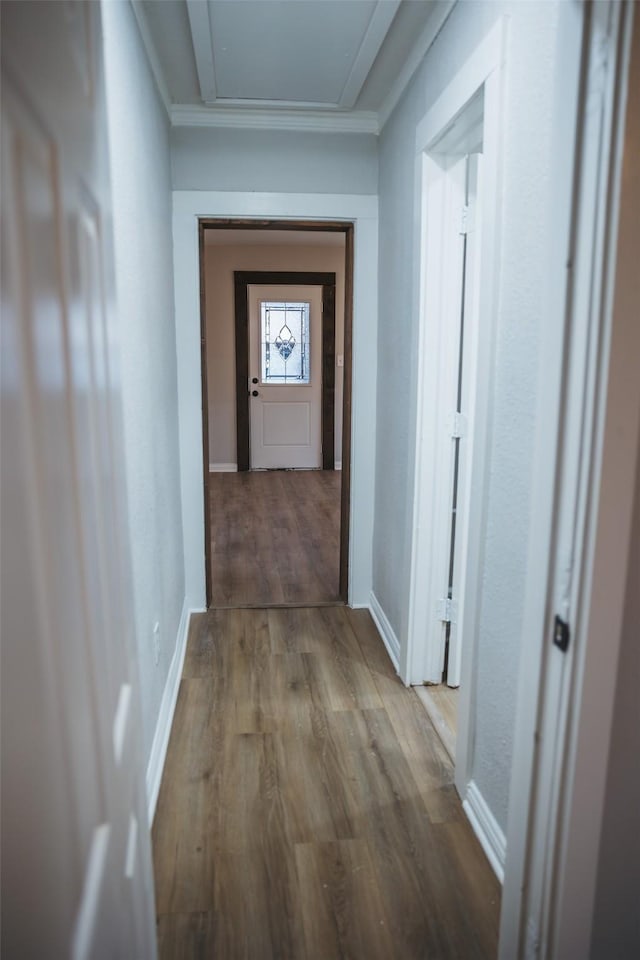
(432,28)
(311,121)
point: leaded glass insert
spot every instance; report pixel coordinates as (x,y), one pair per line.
(284,342)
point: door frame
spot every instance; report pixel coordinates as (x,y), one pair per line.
(242,279)
(484,71)
(313,226)
(583,498)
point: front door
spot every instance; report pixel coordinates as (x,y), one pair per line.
(285,377)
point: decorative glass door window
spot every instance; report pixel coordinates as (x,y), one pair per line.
(284,342)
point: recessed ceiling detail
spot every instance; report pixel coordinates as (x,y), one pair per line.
(313,54)
(314,65)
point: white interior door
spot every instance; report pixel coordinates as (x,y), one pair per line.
(285,377)
(76,867)
(450,422)
(450,317)
(462,416)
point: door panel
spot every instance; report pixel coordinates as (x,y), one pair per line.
(71,768)
(285,418)
(286,424)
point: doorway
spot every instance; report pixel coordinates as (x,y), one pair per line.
(458,149)
(285,384)
(452,175)
(276,439)
(285,372)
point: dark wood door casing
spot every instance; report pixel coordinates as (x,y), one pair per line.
(242,279)
(312,226)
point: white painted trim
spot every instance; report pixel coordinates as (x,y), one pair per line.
(431,30)
(362,210)
(574,702)
(486,62)
(200,29)
(319,118)
(245,118)
(165,714)
(385,630)
(337,465)
(486,828)
(152,54)
(223,468)
(373,39)
(544,460)
(487,57)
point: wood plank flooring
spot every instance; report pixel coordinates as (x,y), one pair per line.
(275,537)
(307,808)
(441,703)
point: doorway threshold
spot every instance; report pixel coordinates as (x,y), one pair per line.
(441,704)
(295,604)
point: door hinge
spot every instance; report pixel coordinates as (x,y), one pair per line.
(457,425)
(447,610)
(465,224)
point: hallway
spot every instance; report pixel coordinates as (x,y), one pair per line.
(307,808)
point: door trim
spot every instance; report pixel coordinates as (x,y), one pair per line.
(484,69)
(242,279)
(321,226)
(208,570)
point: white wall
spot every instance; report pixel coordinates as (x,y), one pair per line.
(363,212)
(220,263)
(275,161)
(525,229)
(141,179)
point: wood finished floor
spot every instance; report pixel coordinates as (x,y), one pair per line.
(307,808)
(441,703)
(275,537)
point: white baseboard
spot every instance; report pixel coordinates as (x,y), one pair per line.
(385,630)
(223,468)
(337,465)
(486,828)
(165,714)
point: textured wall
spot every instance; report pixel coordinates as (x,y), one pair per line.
(526,228)
(221,261)
(273,161)
(141,176)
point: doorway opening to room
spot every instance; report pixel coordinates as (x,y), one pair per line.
(276,313)
(458,169)
(456,231)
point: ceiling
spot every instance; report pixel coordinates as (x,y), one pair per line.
(341,59)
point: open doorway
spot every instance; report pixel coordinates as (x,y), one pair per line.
(453,170)
(276,385)
(458,170)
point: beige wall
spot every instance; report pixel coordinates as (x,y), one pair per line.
(220,263)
